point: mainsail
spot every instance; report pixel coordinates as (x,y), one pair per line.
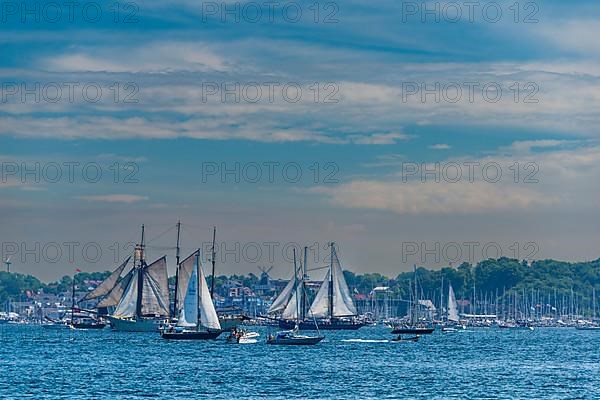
(108,284)
(337,298)
(452,306)
(155,291)
(187,295)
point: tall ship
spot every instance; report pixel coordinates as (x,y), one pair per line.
(331,309)
(141,298)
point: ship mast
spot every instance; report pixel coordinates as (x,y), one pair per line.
(197,265)
(140,277)
(296,290)
(331,280)
(213,256)
(177,250)
(304,269)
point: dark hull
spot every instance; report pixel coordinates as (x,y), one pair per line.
(412,331)
(310,326)
(410,339)
(191,335)
(88,326)
(305,341)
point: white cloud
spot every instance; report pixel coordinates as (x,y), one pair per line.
(152,57)
(554,180)
(114,198)
(440,146)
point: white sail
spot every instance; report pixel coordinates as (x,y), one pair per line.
(108,284)
(283,299)
(188,292)
(343,305)
(155,289)
(127,306)
(320,306)
(452,306)
(208,314)
(292,309)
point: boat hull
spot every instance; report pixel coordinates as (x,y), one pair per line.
(412,331)
(229,323)
(311,326)
(139,325)
(190,335)
(303,341)
(88,326)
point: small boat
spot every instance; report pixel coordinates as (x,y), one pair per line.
(293,338)
(197,317)
(449,329)
(588,327)
(242,337)
(87,324)
(55,325)
(406,339)
(294,307)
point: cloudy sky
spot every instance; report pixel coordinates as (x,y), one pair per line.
(406,132)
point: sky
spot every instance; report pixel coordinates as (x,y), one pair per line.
(426,133)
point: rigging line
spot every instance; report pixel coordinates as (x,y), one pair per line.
(161,235)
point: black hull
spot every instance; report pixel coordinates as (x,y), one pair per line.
(305,341)
(310,326)
(88,326)
(210,335)
(412,331)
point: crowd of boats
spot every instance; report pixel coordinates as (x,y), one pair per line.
(140,301)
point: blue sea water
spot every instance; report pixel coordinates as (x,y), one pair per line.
(475,364)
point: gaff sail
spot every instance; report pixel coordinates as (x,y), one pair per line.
(343,305)
(108,284)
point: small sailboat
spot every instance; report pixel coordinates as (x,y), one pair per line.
(452,319)
(196,315)
(293,337)
(414,327)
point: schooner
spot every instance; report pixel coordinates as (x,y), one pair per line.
(333,307)
(140,298)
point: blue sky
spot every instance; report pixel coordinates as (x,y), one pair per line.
(173,59)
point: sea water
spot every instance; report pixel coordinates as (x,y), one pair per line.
(550,363)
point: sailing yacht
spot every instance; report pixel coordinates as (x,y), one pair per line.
(333,306)
(142,296)
(452,318)
(196,315)
(415,326)
(293,337)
